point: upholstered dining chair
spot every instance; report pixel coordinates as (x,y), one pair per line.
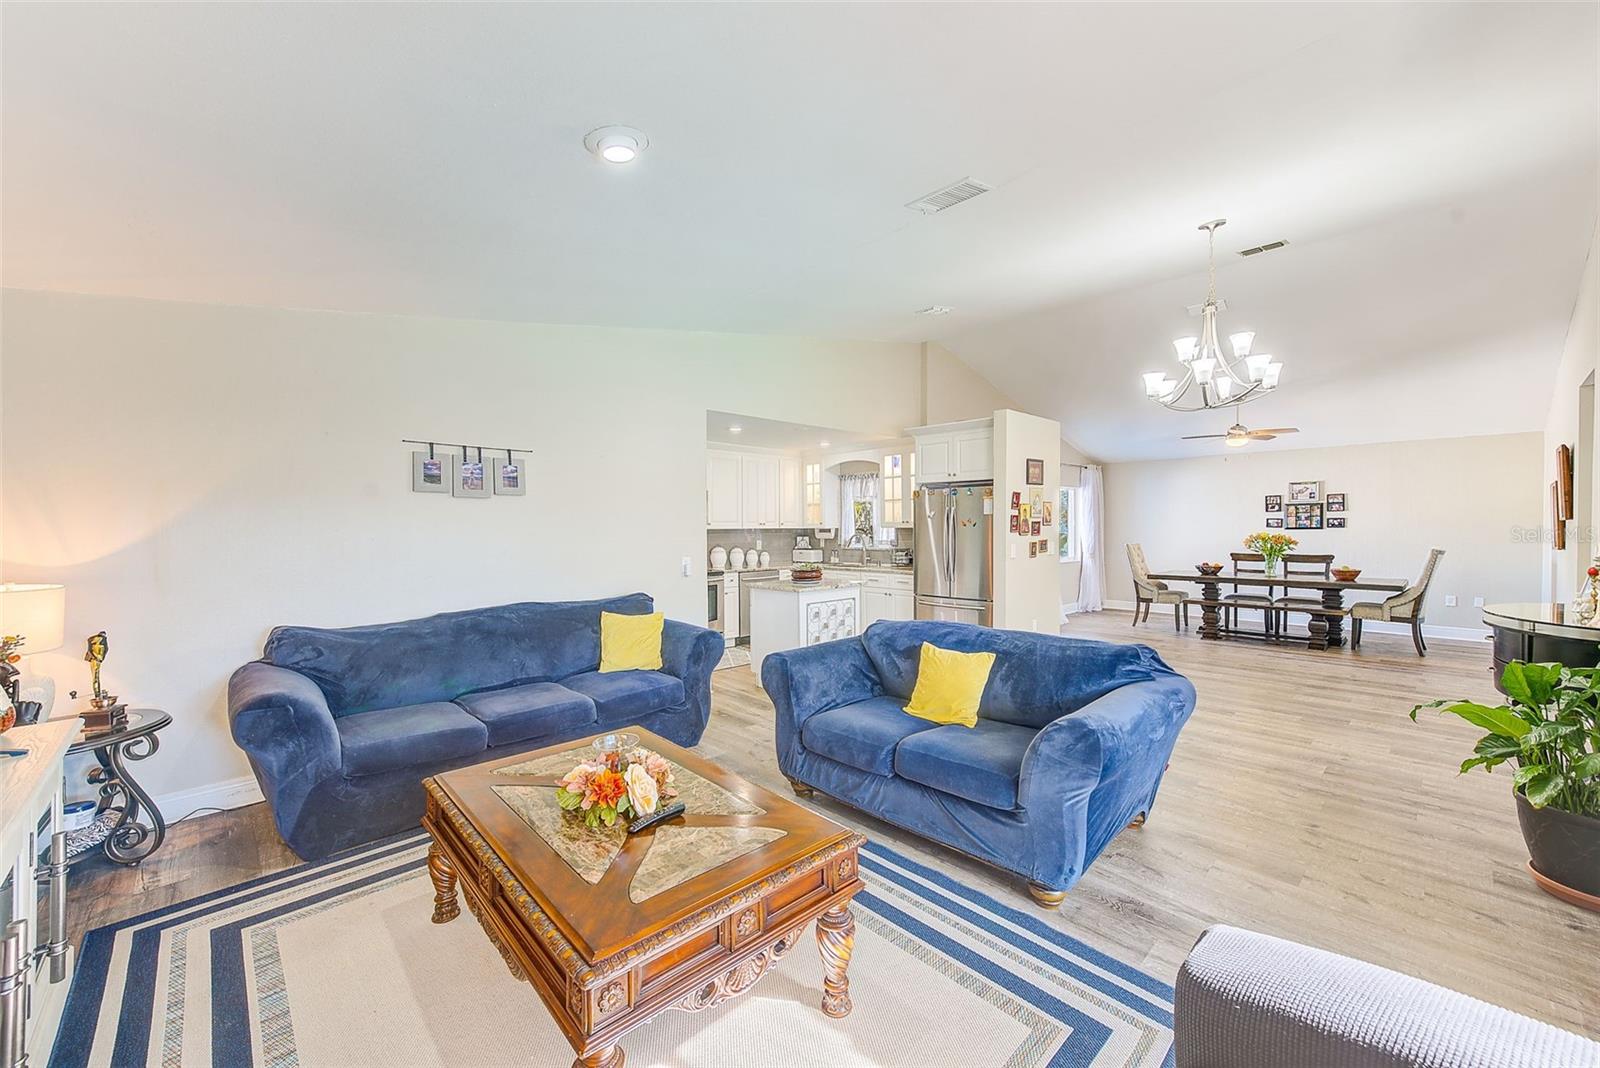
(1301,565)
(1148,591)
(1403,607)
(1252,596)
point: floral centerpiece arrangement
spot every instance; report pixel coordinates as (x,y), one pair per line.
(631,782)
(1271,546)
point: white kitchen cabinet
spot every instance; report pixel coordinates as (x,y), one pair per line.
(759,498)
(974,451)
(791,505)
(886,596)
(730,607)
(960,452)
(936,457)
(724,490)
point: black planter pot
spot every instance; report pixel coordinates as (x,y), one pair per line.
(1564,846)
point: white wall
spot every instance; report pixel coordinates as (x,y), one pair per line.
(1579,358)
(1477,498)
(1027,589)
(952,391)
(197,474)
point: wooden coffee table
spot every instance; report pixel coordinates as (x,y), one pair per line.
(612,928)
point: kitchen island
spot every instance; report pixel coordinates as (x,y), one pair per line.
(790,615)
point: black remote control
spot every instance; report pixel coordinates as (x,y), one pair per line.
(669,812)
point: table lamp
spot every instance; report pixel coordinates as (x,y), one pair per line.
(36,614)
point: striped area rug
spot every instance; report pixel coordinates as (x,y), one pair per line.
(337,964)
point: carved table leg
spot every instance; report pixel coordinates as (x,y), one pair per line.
(1334,601)
(1210,617)
(443,874)
(610,1057)
(836,938)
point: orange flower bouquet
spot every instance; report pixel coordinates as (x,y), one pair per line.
(633,784)
(1271,546)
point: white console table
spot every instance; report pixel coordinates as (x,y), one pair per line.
(35,960)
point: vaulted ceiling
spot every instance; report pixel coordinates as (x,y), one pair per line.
(1433,167)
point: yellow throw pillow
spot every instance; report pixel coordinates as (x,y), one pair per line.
(949,685)
(630,643)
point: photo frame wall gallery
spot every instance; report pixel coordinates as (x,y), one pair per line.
(465,470)
(1306,506)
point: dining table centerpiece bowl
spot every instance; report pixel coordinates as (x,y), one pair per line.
(624,780)
(1346,574)
(1208,569)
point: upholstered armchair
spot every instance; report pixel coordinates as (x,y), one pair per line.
(1148,591)
(1404,607)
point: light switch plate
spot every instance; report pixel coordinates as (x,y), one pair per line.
(685,567)
(1477,602)
(1449,600)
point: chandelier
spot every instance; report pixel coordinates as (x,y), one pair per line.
(1211,378)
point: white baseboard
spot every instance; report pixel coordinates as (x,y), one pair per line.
(232,793)
(1429,630)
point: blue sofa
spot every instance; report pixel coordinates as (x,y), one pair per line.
(341,726)
(1071,742)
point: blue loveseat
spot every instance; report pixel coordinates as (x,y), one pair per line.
(342,726)
(1070,745)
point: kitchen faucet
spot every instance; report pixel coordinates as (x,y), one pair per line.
(858,536)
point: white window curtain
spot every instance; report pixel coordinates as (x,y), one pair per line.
(1091,540)
(859,508)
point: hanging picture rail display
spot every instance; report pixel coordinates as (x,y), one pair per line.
(468,470)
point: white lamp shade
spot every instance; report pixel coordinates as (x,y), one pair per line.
(1257,365)
(1152,383)
(1186,348)
(1241,343)
(34,612)
(1204,369)
(1223,386)
(1269,377)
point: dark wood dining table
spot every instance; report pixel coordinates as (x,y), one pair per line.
(1326,623)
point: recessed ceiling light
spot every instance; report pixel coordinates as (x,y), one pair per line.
(824,444)
(934,309)
(736,430)
(616,144)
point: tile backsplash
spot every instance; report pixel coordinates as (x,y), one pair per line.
(780,543)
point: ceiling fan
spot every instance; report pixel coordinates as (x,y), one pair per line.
(1239,435)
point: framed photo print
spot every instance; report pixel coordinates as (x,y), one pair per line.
(1335,503)
(1304,516)
(1016,498)
(1275,522)
(1048,516)
(1038,503)
(1036,528)
(1016,523)
(1035,472)
(1024,512)
(1044,546)
(1274,502)
(1033,548)
(1305,493)
(1336,521)
(432,473)
(472,479)
(510,478)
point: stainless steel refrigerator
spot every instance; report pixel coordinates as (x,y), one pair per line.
(955,552)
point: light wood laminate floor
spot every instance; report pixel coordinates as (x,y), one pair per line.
(1301,801)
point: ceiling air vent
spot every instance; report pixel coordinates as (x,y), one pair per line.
(949,196)
(1270,246)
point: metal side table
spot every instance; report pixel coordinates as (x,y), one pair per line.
(139,828)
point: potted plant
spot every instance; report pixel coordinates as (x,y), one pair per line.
(1550,731)
(1271,546)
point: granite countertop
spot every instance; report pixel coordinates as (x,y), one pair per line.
(779,586)
(891,569)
